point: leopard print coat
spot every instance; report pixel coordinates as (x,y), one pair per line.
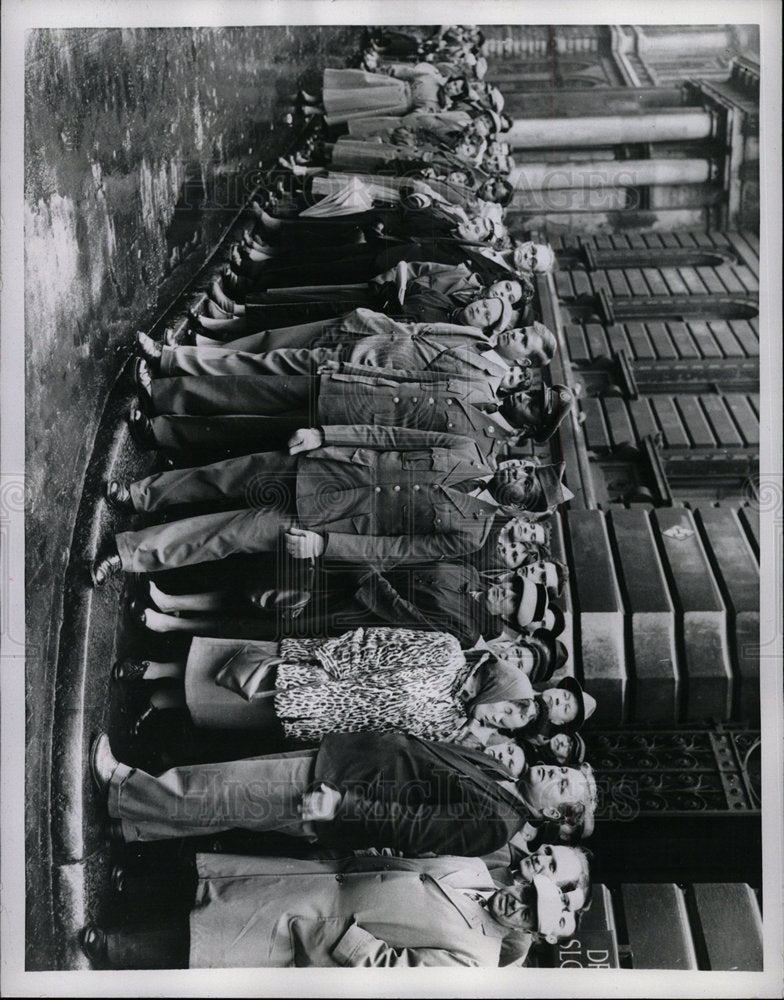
(372,679)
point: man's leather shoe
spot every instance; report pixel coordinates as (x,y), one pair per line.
(93,943)
(141,428)
(103,763)
(102,569)
(142,377)
(118,495)
(149,349)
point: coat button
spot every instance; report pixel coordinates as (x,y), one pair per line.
(431,401)
(415,399)
(438,520)
(417,487)
(396,489)
(396,399)
(490,430)
(449,402)
(377,489)
(450,425)
(338,878)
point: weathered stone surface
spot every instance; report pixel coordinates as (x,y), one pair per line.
(598,601)
(657,682)
(703,616)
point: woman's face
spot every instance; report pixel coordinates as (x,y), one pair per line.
(467,149)
(502,714)
(477,229)
(515,377)
(483,313)
(510,754)
(454,87)
(561,704)
(524,531)
(508,289)
(511,553)
(561,747)
(518,656)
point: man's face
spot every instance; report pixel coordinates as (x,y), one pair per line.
(522,344)
(537,257)
(482,313)
(561,704)
(509,908)
(561,865)
(500,599)
(524,409)
(508,289)
(519,530)
(476,230)
(546,786)
(510,755)
(515,483)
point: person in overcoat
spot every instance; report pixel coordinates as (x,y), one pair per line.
(372,912)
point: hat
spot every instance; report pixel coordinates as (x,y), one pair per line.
(586,704)
(554,621)
(498,228)
(556,403)
(557,653)
(494,116)
(496,99)
(553,490)
(577,756)
(533,603)
(507,318)
(550,909)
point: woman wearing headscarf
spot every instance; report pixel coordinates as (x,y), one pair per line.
(369,679)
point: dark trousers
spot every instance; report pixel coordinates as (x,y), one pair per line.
(163,945)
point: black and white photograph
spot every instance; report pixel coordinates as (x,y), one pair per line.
(391,509)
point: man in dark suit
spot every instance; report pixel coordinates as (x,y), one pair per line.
(361,494)
(355,790)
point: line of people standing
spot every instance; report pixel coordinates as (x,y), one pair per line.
(351,420)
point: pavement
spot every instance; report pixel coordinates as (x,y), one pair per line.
(79,390)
